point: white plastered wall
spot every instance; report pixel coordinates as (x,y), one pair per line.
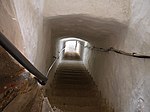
(123,80)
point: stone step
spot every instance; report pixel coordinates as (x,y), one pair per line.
(76,77)
(66,66)
(78,101)
(68,108)
(81,83)
(73,89)
(73,74)
(72,81)
(72,86)
(85,76)
(71,70)
(72,92)
(71,67)
(78,73)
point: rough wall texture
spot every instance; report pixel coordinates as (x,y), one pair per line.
(119,78)
(29,16)
(44,49)
(138,34)
(99,8)
(124,80)
(22,23)
(9,26)
(26,19)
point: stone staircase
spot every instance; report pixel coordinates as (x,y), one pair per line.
(73,89)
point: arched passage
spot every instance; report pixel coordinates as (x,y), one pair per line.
(123,80)
(97,32)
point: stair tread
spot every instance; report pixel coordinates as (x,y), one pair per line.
(72,76)
(73,90)
(72,86)
(78,101)
(73,81)
(74,108)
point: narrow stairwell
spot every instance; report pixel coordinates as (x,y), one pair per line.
(73,89)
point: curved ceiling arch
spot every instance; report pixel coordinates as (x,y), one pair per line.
(71,39)
(85,27)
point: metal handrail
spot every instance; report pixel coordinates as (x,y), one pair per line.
(112,49)
(61,50)
(56,58)
(14,52)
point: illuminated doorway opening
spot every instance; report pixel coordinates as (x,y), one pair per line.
(72,46)
(72,50)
